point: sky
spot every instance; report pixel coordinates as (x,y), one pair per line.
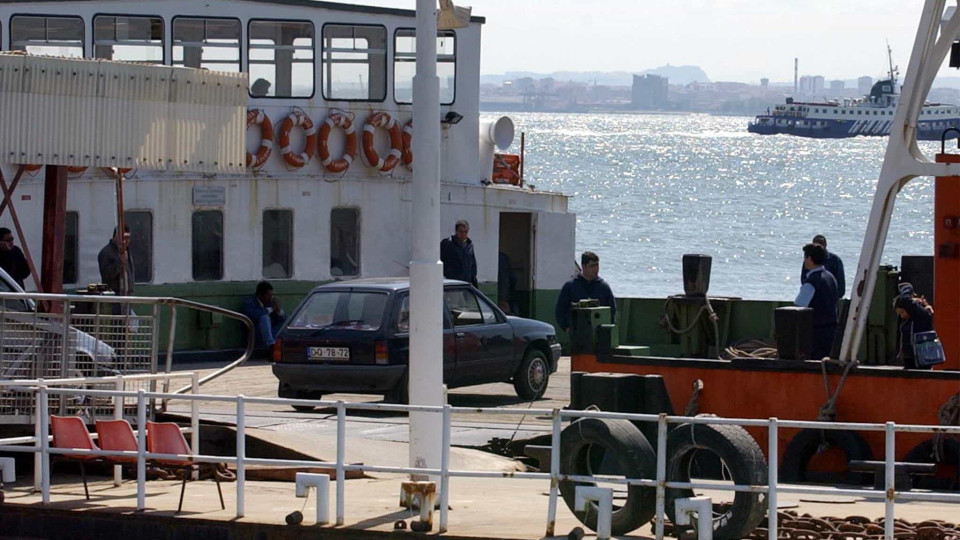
(732,40)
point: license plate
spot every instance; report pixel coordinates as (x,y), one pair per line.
(328,353)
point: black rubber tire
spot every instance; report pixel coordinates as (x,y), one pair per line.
(633,456)
(303,408)
(947,477)
(743,458)
(804,445)
(400,394)
(533,376)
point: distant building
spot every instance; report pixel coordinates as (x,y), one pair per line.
(837,86)
(811,84)
(649,92)
(864,84)
(764,83)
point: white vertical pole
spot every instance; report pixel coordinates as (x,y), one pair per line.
(425,372)
(772,478)
(341,459)
(194,413)
(118,415)
(889,477)
(661,503)
(445,470)
(141,450)
(44,414)
(38,433)
(241,454)
(554,474)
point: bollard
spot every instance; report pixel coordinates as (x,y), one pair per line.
(424,495)
(305,481)
(604,499)
(702,506)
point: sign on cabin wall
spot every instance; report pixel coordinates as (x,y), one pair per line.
(209,195)
(98,113)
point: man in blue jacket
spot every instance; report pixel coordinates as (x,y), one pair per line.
(588,284)
(832,263)
(264,310)
(456,253)
(819,292)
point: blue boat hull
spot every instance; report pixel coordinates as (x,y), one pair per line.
(842,129)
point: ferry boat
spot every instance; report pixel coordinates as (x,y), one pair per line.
(871,115)
(327,191)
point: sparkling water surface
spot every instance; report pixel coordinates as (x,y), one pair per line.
(648,188)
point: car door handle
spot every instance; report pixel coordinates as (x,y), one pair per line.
(460,335)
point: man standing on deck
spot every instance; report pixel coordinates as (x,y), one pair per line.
(833,263)
(12,259)
(588,284)
(819,291)
(457,256)
(111,268)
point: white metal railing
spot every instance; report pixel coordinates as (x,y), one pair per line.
(772,488)
(88,336)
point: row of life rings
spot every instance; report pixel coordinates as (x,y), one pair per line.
(33,167)
(317,141)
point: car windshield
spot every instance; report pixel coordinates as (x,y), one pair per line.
(343,309)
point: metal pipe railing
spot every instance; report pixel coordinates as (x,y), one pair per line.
(772,488)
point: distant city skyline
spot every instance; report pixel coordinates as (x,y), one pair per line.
(732,40)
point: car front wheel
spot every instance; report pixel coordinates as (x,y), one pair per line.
(531,379)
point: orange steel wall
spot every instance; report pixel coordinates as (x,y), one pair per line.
(946,286)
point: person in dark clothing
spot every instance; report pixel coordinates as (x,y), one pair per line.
(456,253)
(588,284)
(819,291)
(12,259)
(833,263)
(916,316)
(506,285)
(111,269)
(264,310)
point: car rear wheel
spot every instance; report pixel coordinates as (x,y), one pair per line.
(531,379)
(304,408)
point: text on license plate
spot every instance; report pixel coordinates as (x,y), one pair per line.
(329,353)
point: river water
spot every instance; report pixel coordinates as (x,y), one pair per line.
(648,188)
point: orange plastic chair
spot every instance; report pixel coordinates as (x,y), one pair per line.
(117,436)
(166,438)
(71,432)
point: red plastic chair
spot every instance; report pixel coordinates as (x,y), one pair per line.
(117,436)
(166,438)
(71,432)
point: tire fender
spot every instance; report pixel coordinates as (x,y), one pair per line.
(805,444)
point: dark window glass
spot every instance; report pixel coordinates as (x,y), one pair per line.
(463,306)
(207,245)
(277,244)
(53,36)
(352,310)
(345,242)
(71,244)
(281,58)
(212,44)
(141,244)
(354,62)
(405,65)
(132,39)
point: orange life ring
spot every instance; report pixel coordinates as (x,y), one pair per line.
(256,117)
(76,170)
(407,154)
(349,152)
(297,118)
(382,120)
(31,167)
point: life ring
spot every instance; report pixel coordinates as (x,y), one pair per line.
(297,118)
(349,152)
(76,170)
(256,117)
(406,155)
(31,168)
(382,120)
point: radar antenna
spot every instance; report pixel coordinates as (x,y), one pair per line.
(894,70)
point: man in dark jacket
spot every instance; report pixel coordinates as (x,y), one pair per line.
(588,284)
(111,269)
(832,263)
(819,291)
(264,310)
(456,253)
(12,259)
(915,316)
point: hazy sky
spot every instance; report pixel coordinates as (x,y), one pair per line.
(732,40)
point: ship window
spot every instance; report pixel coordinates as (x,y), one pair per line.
(141,243)
(52,36)
(207,245)
(345,242)
(71,243)
(277,244)
(405,65)
(132,39)
(354,62)
(281,59)
(207,43)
